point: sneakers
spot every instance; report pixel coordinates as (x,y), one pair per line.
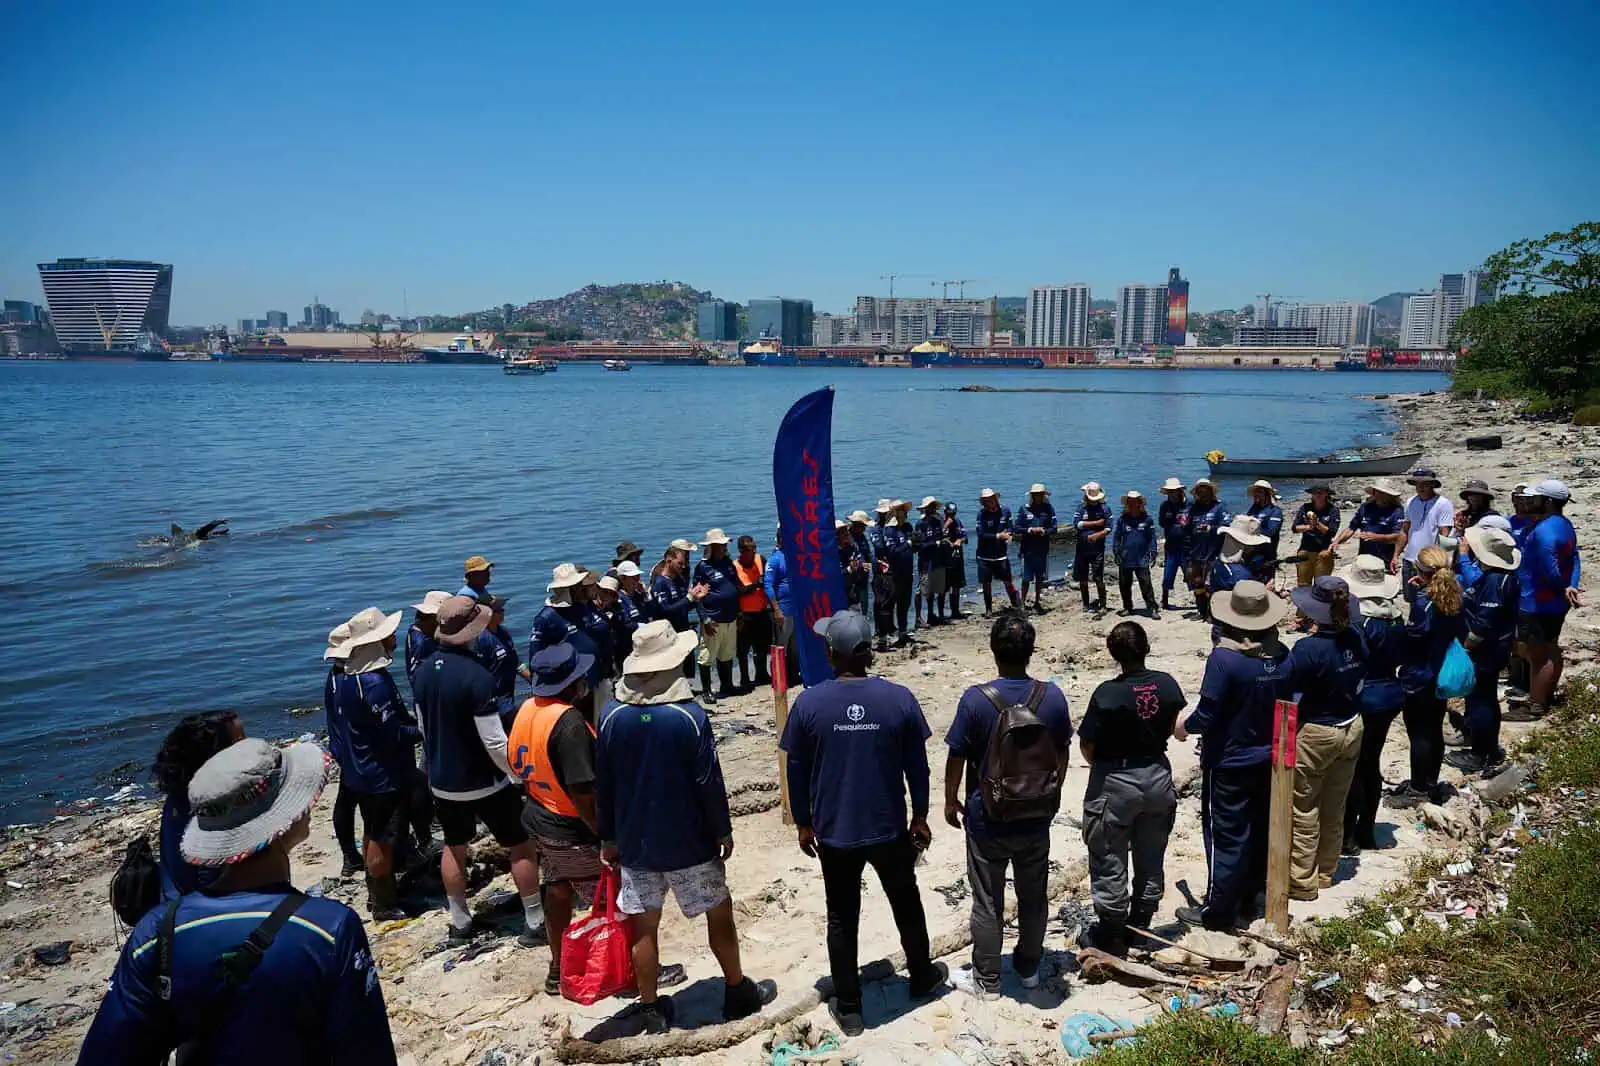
(847,1019)
(462,936)
(533,938)
(747,998)
(1527,712)
(1126,612)
(1470,762)
(967,980)
(353,865)
(1405,798)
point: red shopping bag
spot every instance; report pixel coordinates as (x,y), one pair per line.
(596,960)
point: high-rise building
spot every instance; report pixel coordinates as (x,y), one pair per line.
(1275,336)
(1177,308)
(1337,324)
(1141,315)
(1419,320)
(319,316)
(788,321)
(1057,316)
(904,321)
(719,321)
(107,304)
(277,320)
(833,330)
(21,311)
(1429,318)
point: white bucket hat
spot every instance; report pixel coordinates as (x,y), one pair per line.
(927,502)
(1369,579)
(431,603)
(247,796)
(988,494)
(565,576)
(611,583)
(1204,481)
(1093,492)
(1249,606)
(715,536)
(658,647)
(1132,494)
(629,568)
(1263,483)
(1038,486)
(1387,487)
(1172,484)
(1244,529)
(1494,548)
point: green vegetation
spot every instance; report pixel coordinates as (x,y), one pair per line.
(1587,416)
(1541,339)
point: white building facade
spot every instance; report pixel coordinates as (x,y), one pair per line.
(1337,324)
(1058,316)
(1141,315)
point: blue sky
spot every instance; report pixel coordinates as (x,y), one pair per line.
(473,154)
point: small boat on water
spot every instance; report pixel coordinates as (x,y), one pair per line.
(1306,469)
(527,365)
(616,364)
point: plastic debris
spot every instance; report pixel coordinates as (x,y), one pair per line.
(1078,1028)
(1326,982)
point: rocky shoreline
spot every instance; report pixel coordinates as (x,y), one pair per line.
(483,1005)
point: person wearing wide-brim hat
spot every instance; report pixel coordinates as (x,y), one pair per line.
(252,805)
(1492,593)
(568,616)
(955,567)
(1430,521)
(1092,522)
(1134,543)
(1206,518)
(663,815)
(933,552)
(1269,522)
(419,641)
(479,571)
(1245,676)
(716,595)
(1173,518)
(1379,523)
(993,527)
(855,559)
(1317,522)
(1380,615)
(1240,537)
(1327,667)
(1035,523)
(627,552)
(1478,499)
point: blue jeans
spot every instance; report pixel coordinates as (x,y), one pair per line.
(1170,569)
(1483,710)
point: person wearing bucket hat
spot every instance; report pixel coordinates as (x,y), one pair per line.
(1035,524)
(419,635)
(955,567)
(1269,523)
(186,748)
(1550,580)
(1092,520)
(933,554)
(1246,674)
(1173,518)
(994,549)
(893,555)
(1327,669)
(1437,621)
(464,742)
(1134,545)
(1317,522)
(1207,518)
(568,617)
(663,817)
(1491,593)
(479,571)
(855,561)
(633,604)
(1239,539)
(718,603)
(313,975)
(373,737)
(1429,518)
(1379,523)
(1381,619)
(1478,503)
(627,552)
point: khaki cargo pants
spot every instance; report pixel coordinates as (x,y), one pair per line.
(1325,761)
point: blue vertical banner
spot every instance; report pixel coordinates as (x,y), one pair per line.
(802,479)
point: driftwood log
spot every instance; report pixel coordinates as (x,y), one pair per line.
(1275,998)
(1100,966)
(710,1038)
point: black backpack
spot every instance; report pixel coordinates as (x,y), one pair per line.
(136,886)
(1021,773)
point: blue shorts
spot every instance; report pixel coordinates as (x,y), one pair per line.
(1036,567)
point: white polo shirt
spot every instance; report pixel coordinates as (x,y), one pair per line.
(1425,517)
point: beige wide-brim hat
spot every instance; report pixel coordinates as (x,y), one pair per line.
(900,505)
(860,516)
(1263,483)
(1172,484)
(1038,487)
(884,507)
(1204,482)
(1369,579)
(610,583)
(681,545)
(565,576)
(369,626)
(714,536)
(1250,607)
(1387,487)
(1494,548)
(657,647)
(1093,492)
(1245,530)
(927,502)
(988,494)
(431,603)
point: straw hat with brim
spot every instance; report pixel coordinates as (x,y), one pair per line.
(247,796)
(714,536)
(461,619)
(860,516)
(1249,607)
(555,667)
(1093,492)
(657,647)
(565,576)
(1038,488)
(1204,482)
(477,563)
(430,603)
(1172,484)
(1369,579)
(1244,529)
(1386,487)
(1494,548)
(927,502)
(1316,600)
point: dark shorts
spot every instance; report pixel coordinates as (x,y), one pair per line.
(500,813)
(1089,568)
(1540,628)
(993,570)
(383,815)
(1036,566)
(1197,572)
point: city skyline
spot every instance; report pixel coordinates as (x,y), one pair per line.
(470,192)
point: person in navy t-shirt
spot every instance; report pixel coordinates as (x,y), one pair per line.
(1380,523)
(855,746)
(992,846)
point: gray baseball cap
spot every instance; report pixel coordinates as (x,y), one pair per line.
(846,632)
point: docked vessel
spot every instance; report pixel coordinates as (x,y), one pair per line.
(1309,469)
(465,349)
(527,364)
(620,365)
(768,352)
(937,354)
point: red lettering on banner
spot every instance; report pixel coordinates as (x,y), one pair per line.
(821,606)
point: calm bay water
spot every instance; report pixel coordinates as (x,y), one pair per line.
(356,485)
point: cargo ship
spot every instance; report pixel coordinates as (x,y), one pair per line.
(270,350)
(936,354)
(768,352)
(465,349)
(665,353)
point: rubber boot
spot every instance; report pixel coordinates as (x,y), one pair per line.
(707,697)
(383,899)
(763,676)
(744,674)
(725,679)
(1110,936)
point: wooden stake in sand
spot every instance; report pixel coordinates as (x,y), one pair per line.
(779,669)
(1280,827)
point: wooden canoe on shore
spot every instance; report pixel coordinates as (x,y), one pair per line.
(1307,469)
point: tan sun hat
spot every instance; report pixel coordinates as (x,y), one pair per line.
(1494,548)
(368,629)
(1093,492)
(927,502)
(1246,530)
(658,647)
(884,507)
(1369,579)
(681,545)
(611,583)
(431,603)
(1204,481)
(1038,486)
(714,536)
(461,619)
(1263,483)
(860,516)
(1387,487)
(565,576)
(1172,484)
(1132,494)
(1249,606)
(900,505)
(988,494)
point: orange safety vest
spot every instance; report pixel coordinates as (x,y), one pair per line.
(528,752)
(752,602)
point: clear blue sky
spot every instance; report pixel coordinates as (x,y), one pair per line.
(474,154)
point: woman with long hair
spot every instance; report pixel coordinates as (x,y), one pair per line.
(1383,627)
(1437,620)
(1326,669)
(191,742)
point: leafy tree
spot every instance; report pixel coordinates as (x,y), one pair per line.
(1542,339)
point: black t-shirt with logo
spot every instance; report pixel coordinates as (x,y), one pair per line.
(1132,716)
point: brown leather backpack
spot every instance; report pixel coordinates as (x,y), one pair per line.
(1021,773)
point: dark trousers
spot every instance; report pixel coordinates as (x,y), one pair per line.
(755,635)
(1424,717)
(894,861)
(1234,808)
(905,586)
(419,813)
(1171,569)
(1028,855)
(1483,710)
(1366,787)
(344,822)
(420,807)
(1125,576)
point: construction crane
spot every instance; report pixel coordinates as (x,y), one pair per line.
(962,283)
(890,279)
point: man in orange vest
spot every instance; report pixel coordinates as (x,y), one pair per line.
(551,748)
(755,613)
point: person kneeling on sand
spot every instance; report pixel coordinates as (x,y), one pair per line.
(1001,838)
(662,811)
(854,746)
(1130,804)
(307,992)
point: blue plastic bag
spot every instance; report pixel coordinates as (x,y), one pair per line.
(1457,675)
